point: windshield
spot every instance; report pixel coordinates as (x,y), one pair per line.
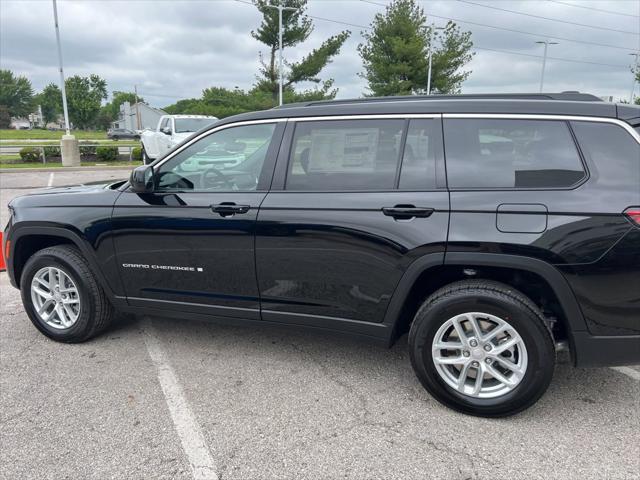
(192,124)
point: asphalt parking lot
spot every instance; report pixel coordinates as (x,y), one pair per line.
(159,398)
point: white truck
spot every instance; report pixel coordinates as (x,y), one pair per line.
(171,130)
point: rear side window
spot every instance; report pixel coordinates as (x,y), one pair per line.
(344,155)
(501,153)
(612,153)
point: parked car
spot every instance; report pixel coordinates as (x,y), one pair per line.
(170,131)
(118,133)
(493,230)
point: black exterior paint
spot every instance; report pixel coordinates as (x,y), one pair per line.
(334,260)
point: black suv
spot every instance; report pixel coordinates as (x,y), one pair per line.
(492,229)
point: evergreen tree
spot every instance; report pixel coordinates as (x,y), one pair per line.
(296,27)
(395,53)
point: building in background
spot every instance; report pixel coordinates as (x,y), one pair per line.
(127,117)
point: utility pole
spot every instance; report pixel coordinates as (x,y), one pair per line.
(280,9)
(69,147)
(135,89)
(544,60)
(633,77)
(430,61)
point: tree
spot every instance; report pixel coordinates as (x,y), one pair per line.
(118,98)
(296,27)
(16,94)
(84,97)
(50,101)
(395,53)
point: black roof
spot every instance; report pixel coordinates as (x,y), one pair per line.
(566,103)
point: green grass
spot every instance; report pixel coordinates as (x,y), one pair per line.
(59,165)
(37,134)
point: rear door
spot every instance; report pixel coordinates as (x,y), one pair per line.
(354,202)
(189,245)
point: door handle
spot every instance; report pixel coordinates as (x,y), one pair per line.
(228,209)
(406,212)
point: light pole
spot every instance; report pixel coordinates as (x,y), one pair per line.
(544,60)
(280,9)
(64,92)
(69,147)
(633,77)
(430,61)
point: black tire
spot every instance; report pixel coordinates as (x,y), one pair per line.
(96,312)
(496,299)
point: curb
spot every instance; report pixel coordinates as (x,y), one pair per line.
(65,169)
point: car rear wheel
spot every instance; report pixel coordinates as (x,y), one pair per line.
(62,296)
(482,348)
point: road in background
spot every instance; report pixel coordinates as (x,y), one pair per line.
(273,402)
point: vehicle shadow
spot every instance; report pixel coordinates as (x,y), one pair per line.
(352,363)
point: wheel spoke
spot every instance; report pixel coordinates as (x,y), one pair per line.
(62,316)
(44,307)
(495,332)
(475,326)
(70,301)
(499,376)
(514,367)
(42,293)
(71,314)
(448,346)
(502,347)
(477,386)
(451,360)
(462,380)
(459,330)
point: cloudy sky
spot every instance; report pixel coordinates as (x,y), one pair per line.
(172,49)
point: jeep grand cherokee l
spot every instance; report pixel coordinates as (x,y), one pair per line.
(490,228)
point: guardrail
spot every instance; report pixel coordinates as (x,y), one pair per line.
(15,149)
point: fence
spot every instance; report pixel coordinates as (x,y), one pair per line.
(15,149)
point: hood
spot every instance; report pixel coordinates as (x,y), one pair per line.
(90,194)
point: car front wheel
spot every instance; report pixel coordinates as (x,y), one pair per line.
(482,348)
(62,296)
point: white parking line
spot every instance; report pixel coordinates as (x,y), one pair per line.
(628,371)
(193,443)
(50,182)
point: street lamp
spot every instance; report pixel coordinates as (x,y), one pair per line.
(544,60)
(430,58)
(69,148)
(280,8)
(633,77)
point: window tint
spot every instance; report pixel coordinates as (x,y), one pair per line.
(345,155)
(419,158)
(227,160)
(487,153)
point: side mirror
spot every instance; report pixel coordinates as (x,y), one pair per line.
(141,179)
(166,130)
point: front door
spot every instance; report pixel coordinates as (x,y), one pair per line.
(189,245)
(357,202)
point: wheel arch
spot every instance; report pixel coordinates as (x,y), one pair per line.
(431,272)
(28,240)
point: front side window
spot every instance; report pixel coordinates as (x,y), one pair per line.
(344,155)
(227,160)
(501,153)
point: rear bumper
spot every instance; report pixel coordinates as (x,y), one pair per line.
(600,351)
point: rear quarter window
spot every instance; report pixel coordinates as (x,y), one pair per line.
(508,153)
(612,153)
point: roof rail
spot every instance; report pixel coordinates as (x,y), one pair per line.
(572,96)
